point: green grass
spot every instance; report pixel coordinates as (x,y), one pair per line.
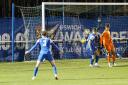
(71,72)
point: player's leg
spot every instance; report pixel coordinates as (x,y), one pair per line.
(92,57)
(97,59)
(108,59)
(108,49)
(54,69)
(40,58)
(113,56)
(36,70)
(97,53)
(113,59)
(52,62)
(91,52)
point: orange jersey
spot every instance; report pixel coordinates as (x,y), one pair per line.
(106,40)
(106,37)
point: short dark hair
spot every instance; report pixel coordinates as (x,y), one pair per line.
(107,25)
(44,33)
(95,29)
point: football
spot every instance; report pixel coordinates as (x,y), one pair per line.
(83,40)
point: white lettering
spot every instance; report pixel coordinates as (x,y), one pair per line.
(5,45)
(70,27)
(123,34)
(20,37)
(114,34)
(77,36)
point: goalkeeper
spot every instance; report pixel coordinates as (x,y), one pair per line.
(106,39)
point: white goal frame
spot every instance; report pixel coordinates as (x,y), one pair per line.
(70,3)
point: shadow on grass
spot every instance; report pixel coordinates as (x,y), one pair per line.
(121,65)
(91,78)
(3,82)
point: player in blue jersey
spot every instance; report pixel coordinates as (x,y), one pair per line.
(45,53)
(93,47)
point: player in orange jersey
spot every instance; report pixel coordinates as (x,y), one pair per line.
(107,42)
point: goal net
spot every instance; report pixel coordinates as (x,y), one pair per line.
(69,22)
(32,23)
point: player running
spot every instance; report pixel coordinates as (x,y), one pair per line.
(107,42)
(45,53)
(93,47)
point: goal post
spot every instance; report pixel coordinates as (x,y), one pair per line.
(43,16)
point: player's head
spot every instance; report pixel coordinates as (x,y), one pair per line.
(94,30)
(44,33)
(107,26)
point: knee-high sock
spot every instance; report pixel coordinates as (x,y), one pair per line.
(35,71)
(97,59)
(54,70)
(113,58)
(92,59)
(108,58)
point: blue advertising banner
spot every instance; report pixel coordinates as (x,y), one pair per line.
(69,32)
(75,28)
(5,35)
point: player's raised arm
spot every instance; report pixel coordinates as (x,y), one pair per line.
(52,43)
(32,47)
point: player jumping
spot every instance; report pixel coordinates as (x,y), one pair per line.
(93,47)
(106,39)
(45,53)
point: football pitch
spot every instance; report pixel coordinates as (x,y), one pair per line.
(71,72)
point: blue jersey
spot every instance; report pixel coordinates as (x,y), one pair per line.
(91,39)
(45,52)
(45,43)
(90,47)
